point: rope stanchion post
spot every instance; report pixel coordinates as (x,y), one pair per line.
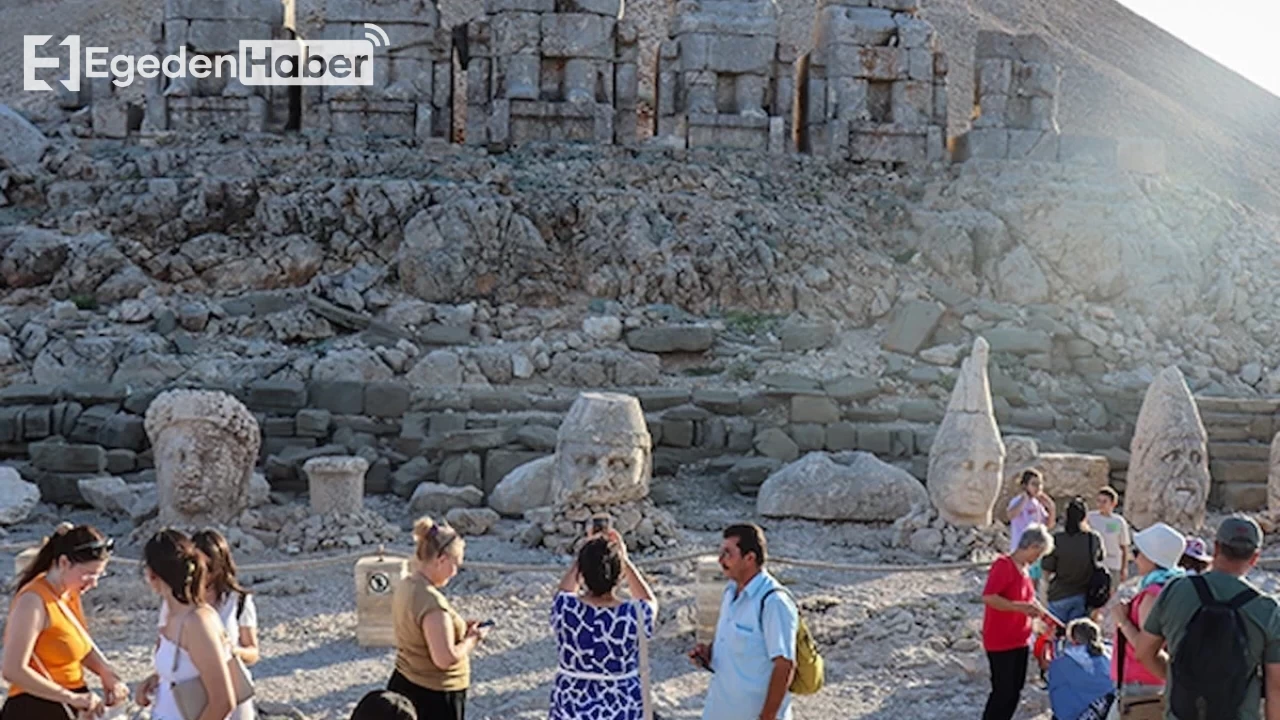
(376,577)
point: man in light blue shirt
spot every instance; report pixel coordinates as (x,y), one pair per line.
(754,653)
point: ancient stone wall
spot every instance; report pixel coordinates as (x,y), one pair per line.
(1015,112)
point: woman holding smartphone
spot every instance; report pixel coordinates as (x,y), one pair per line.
(433,643)
(598,633)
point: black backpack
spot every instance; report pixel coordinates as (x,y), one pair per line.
(1099,590)
(1211,669)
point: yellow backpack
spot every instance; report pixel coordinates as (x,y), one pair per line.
(810,672)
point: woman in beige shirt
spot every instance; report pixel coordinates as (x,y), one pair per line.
(433,643)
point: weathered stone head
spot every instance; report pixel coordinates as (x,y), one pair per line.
(205,444)
(603,452)
(966,462)
(1168,479)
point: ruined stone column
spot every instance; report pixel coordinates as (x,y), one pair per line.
(336,483)
(966,462)
(205,444)
(723,78)
(874,86)
(1168,479)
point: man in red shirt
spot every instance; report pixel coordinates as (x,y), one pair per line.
(1010,600)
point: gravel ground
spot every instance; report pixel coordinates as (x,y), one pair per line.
(897,645)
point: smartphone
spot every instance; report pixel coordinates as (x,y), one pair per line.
(601,523)
(488,623)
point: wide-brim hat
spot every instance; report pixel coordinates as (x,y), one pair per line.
(1162,544)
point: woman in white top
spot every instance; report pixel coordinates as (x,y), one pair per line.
(192,642)
(233,603)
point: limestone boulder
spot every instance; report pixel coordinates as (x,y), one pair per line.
(259,490)
(436,499)
(31,256)
(470,247)
(472,521)
(17,497)
(1168,477)
(524,488)
(1066,475)
(1273,478)
(110,495)
(846,486)
(21,143)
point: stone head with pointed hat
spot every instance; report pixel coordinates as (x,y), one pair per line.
(603,452)
(1168,478)
(966,462)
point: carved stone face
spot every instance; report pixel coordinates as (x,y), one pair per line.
(203,471)
(602,452)
(1174,481)
(1168,477)
(601,474)
(972,462)
(205,447)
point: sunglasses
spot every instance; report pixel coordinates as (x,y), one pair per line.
(435,531)
(1136,553)
(105,544)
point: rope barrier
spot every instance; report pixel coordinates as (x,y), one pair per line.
(312,563)
(480,566)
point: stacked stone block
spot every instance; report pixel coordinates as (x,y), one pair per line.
(214,30)
(1015,106)
(551,70)
(1240,435)
(723,78)
(874,86)
(412,76)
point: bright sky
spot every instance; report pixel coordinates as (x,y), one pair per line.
(1237,33)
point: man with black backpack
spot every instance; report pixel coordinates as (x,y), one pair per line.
(1223,636)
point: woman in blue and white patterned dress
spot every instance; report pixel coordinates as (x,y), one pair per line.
(598,635)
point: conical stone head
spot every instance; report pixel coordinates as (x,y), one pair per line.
(1168,479)
(603,452)
(966,461)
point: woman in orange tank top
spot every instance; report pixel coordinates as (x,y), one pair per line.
(46,645)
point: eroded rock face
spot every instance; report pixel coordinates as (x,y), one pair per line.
(846,486)
(1168,478)
(1273,477)
(603,452)
(966,462)
(205,444)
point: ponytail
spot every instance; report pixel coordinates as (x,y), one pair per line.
(78,543)
(173,558)
(1087,633)
(220,564)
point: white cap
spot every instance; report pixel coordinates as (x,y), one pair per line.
(1161,544)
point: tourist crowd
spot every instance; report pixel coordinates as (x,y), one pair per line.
(206,635)
(1196,642)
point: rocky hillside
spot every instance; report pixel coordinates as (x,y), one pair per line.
(1122,75)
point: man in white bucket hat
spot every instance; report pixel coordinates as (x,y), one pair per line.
(1156,552)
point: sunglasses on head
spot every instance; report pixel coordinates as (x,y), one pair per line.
(105,544)
(434,532)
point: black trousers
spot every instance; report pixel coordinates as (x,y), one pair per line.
(430,704)
(30,707)
(1008,675)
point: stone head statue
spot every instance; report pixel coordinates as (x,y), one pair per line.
(205,445)
(966,462)
(603,452)
(1168,479)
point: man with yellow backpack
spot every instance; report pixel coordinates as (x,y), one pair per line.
(763,652)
